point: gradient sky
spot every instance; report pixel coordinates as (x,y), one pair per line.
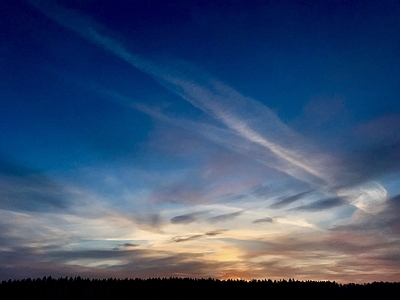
(227,139)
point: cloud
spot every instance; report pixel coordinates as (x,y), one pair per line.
(25,189)
(326,253)
(324,204)
(277,141)
(394,203)
(384,221)
(133,263)
(370,197)
(289,200)
(209,179)
(66,256)
(179,239)
(128,245)
(214,232)
(383,130)
(263,220)
(371,162)
(263,130)
(150,222)
(224,217)
(173,264)
(186,219)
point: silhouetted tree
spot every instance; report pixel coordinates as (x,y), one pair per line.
(188,288)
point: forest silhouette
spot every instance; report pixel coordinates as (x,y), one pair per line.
(188,288)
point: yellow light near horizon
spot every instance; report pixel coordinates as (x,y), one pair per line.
(227,253)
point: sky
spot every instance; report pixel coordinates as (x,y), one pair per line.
(225,139)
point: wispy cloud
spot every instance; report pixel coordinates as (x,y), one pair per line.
(264,220)
(289,200)
(149,221)
(272,137)
(179,239)
(263,129)
(22,188)
(125,246)
(187,218)
(224,217)
(323,204)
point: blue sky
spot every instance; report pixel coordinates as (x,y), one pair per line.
(226,139)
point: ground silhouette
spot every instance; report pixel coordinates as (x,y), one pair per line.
(188,288)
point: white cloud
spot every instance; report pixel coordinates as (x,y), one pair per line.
(247,118)
(369,197)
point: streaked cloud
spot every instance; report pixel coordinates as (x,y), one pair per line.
(128,245)
(224,217)
(264,220)
(323,204)
(187,218)
(179,239)
(149,221)
(289,200)
(26,189)
(211,96)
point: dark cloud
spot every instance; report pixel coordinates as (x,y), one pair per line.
(331,244)
(168,264)
(370,162)
(214,232)
(224,217)
(186,219)
(65,256)
(149,221)
(393,258)
(323,204)
(264,220)
(130,245)
(19,255)
(289,200)
(179,239)
(390,217)
(394,204)
(23,188)
(41,269)
(126,245)
(36,262)
(387,221)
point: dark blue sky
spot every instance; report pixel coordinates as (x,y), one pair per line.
(229,139)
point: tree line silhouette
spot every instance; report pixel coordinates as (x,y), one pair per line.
(188,288)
